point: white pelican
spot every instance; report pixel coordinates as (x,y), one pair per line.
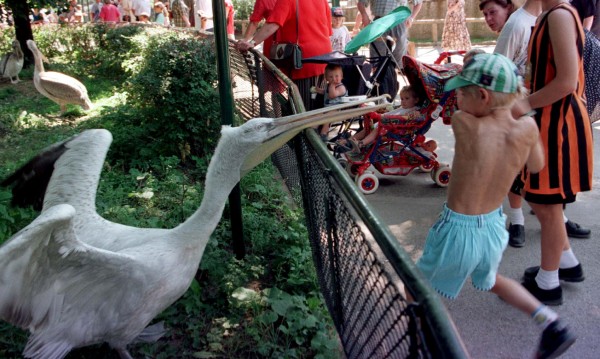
(12,63)
(58,87)
(75,279)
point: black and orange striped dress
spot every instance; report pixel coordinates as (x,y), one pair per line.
(565,128)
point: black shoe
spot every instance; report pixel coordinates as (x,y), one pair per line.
(516,235)
(576,231)
(546,296)
(556,339)
(573,274)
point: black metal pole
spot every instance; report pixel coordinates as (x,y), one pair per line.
(226,99)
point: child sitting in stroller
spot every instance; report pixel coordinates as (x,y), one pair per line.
(409,112)
(333,91)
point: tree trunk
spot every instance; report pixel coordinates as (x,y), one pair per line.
(20,11)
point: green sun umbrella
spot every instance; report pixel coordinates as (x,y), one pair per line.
(377,28)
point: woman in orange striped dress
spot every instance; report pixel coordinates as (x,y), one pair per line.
(556,81)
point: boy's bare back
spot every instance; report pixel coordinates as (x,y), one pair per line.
(489,153)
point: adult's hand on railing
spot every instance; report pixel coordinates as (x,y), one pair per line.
(243,45)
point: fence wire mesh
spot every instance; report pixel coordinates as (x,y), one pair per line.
(363,277)
(372,316)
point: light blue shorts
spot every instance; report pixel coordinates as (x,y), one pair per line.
(459,246)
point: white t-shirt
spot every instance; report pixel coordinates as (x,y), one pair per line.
(514,38)
(401,111)
(339,39)
(206,7)
(141,6)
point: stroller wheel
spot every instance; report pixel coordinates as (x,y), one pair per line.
(367,182)
(343,162)
(442,175)
(351,169)
(427,167)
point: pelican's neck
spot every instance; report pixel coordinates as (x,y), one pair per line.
(18,52)
(221,178)
(39,65)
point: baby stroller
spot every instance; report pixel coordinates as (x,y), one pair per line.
(399,145)
(359,81)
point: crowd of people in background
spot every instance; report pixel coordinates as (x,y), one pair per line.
(176,13)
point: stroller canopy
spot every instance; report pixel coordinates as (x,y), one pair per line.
(336,57)
(429,79)
(377,28)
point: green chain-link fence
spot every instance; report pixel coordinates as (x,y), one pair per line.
(364,274)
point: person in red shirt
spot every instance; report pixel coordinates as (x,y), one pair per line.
(314,30)
(109,12)
(262,10)
(229,11)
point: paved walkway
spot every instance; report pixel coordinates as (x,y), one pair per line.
(491,328)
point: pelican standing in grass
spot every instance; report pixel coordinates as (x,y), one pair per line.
(58,87)
(12,63)
(75,279)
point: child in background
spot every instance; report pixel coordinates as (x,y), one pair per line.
(78,15)
(470,235)
(341,35)
(333,91)
(161,15)
(144,17)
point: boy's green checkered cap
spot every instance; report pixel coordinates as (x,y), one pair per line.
(493,72)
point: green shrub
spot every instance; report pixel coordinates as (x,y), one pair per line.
(176,86)
(7,35)
(243,9)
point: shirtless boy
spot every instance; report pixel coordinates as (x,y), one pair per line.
(470,235)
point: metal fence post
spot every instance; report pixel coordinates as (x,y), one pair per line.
(227,106)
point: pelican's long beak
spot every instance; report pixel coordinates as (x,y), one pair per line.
(285,128)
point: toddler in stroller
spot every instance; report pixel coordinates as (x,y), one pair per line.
(409,111)
(398,142)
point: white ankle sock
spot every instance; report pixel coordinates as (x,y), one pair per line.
(568,259)
(547,279)
(515,216)
(565,219)
(543,316)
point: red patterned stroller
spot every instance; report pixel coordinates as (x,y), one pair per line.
(400,145)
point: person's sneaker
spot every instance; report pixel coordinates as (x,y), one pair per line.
(573,274)
(546,296)
(516,235)
(576,231)
(556,339)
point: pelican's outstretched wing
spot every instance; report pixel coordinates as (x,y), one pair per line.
(30,181)
(77,172)
(55,285)
(66,172)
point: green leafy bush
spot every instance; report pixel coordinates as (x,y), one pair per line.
(176,87)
